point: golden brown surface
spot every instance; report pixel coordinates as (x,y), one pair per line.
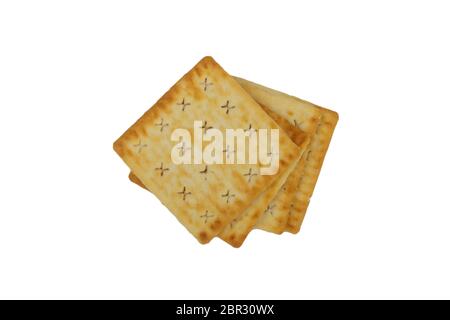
(194,193)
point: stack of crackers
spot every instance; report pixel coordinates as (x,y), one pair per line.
(228,200)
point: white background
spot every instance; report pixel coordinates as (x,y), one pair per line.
(75,74)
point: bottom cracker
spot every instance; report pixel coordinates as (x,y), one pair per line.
(314,160)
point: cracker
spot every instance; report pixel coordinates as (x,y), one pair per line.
(298,115)
(197,193)
(314,160)
(237,231)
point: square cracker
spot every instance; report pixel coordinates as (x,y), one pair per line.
(297,115)
(314,160)
(237,231)
(196,193)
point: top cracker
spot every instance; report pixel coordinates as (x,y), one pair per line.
(204,198)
